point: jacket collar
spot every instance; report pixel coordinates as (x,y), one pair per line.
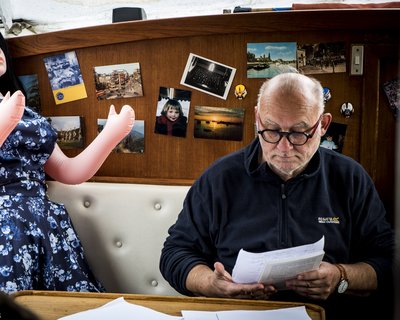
(261,171)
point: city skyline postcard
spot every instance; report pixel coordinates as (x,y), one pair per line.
(267,59)
(118,81)
(218,123)
(65,77)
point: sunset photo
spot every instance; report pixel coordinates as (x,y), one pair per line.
(218,123)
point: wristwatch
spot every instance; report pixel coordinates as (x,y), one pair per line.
(343,282)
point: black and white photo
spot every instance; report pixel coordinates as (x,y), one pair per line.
(208,76)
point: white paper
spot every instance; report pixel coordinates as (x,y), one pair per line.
(199,315)
(274,267)
(119,309)
(294,313)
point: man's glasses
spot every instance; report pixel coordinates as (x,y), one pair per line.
(294,137)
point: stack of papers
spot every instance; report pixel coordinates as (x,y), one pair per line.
(277,266)
(119,309)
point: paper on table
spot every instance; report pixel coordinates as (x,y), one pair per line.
(274,267)
(121,310)
(294,313)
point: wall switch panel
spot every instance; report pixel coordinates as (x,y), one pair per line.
(357,60)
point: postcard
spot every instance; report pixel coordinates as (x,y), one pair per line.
(118,81)
(218,123)
(133,142)
(70,131)
(65,77)
(334,137)
(319,58)
(267,59)
(208,76)
(30,83)
(172,112)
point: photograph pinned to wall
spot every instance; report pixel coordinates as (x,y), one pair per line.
(218,123)
(118,81)
(208,76)
(133,142)
(267,59)
(70,131)
(172,112)
(65,77)
(334,137)
(392,91)
(319,58)
(30,83)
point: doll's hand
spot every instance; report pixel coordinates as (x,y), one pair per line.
(11,111)
(83,166)
(119,125)
(12,108)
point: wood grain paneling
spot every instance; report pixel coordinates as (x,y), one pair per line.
(162,48)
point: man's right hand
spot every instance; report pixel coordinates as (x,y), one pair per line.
(203,281)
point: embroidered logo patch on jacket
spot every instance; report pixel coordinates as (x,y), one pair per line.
(329,220)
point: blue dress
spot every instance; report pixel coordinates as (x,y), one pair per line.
(39,248)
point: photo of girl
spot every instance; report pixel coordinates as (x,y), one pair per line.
(171,119)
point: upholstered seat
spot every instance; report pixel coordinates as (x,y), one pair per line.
(122,228)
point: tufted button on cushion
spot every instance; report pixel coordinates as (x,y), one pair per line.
(157,206)
(154,283)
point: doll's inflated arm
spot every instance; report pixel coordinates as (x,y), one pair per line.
(11,111)
(82,167)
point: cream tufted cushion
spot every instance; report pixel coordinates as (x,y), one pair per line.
(122,228)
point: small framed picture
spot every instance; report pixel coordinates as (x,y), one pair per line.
(208,76)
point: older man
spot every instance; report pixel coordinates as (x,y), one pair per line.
(281,191)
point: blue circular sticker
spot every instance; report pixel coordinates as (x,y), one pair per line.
(60,96)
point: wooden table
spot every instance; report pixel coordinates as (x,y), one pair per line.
(51,305)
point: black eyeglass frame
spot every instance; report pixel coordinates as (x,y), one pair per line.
(287,134)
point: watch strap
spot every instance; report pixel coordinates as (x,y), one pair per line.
(343,282)
(343,273)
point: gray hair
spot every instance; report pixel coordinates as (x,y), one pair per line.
(294,83)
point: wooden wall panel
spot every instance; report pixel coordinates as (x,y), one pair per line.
(162,48)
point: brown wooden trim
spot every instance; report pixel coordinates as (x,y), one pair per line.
(54,304)
(157,181)
(285,21)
